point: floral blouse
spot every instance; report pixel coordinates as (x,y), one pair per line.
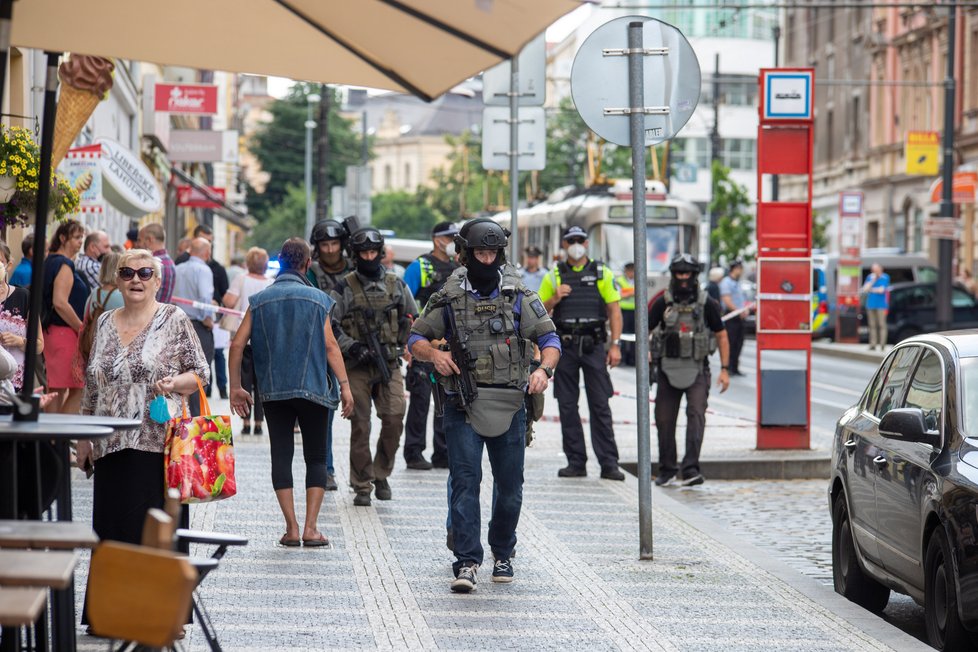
(120,379)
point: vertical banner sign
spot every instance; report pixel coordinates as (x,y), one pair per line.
(82,169)
(785,142)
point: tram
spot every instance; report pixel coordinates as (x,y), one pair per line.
(605,213)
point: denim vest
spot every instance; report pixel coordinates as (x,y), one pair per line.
(287,322)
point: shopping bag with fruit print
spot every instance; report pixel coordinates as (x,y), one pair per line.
(198,455)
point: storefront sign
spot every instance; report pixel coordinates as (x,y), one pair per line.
(193,146)
(964,186)
(127,183)
(193,197)
(83,170)
(922,153)
(199,99)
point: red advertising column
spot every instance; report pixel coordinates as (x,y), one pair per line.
(785,141)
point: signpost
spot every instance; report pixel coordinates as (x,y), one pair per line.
(636,81)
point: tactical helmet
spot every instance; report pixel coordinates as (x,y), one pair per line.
(481,233)
(682,263)
(327,230)
(366,239)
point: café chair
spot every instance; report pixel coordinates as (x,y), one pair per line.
(139,594)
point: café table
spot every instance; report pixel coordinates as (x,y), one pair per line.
(49,535)
(60,429)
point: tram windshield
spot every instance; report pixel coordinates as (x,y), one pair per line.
(614,242)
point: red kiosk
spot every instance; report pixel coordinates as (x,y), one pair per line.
(785,141)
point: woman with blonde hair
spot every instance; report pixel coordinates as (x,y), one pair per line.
(242,288)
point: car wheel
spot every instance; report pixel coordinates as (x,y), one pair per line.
(847,576)
(944,629)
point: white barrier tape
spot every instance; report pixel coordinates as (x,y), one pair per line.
(209,307)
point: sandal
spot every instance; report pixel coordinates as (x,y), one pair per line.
(289,543)
(321,542)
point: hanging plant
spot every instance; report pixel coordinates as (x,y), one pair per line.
(20,159)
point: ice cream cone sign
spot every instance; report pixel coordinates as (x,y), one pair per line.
(85,81)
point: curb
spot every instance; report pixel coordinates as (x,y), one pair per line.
(815,467)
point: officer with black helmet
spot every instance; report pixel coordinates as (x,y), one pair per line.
(371,320)
(686,327)
(329,264)
(491,322)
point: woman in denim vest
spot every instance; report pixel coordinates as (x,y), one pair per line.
(300,376)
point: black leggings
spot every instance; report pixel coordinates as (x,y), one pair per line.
(281,417)
(249,382)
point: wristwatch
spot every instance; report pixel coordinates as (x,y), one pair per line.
(547,369)
(615,342)
(724,368)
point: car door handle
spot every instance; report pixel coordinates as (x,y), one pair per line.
(880,462)
(850,445)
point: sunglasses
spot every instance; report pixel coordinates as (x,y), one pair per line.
(144,273)
(575,240)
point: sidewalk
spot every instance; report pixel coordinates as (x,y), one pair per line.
(384,582)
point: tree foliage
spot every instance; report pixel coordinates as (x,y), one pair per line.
(279,146)
(464,189)
(407,214)
(820,228)
(734,231)
(284,220)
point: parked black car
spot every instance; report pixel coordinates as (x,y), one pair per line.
(904,488)
(913,310)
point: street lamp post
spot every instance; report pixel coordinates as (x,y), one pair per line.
(312,100)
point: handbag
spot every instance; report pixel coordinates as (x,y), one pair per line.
(198,455)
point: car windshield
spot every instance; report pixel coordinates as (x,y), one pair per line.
(969,394)
(663,244)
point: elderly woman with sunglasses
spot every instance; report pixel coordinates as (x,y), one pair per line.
(140,350)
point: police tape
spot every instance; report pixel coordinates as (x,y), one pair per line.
(209,307)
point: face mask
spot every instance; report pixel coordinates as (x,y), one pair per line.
(450,250)
(369,268)
(158,410)
(576,251)
(682,289)
(483,278)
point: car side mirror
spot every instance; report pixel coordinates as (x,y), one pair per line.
(906,424)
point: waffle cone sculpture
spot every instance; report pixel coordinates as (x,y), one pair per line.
(85,81)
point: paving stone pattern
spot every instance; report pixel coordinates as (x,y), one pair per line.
(384,581)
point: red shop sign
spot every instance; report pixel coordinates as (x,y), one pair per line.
(199,99)
(192,197)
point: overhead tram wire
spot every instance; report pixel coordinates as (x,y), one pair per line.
(795,5)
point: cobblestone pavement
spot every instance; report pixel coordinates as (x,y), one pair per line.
(384,582)
(791,520)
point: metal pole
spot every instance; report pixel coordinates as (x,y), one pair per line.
(776,31)
(636,100)
(514,157)
(714,150)
(322,155)
(310,205)
(945,247)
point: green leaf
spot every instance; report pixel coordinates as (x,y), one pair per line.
(218,485)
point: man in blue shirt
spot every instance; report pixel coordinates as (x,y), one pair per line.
(732,298)
(22,274)
(876,290)
(195,282)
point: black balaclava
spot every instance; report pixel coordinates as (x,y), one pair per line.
(484,278)
(369,268)
(683,289)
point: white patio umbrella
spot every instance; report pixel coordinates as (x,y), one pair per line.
(422,47)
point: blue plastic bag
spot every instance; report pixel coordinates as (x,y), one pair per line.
(159,411)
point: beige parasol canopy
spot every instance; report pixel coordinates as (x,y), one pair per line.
(419,46)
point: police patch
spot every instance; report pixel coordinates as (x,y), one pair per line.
(538,308)
(485,308)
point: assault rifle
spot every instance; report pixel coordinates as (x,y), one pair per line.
(378,352)
(459,348)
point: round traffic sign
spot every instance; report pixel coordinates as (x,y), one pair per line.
(599,80)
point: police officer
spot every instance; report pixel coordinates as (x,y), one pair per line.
(585,303)
(371,319)
(424,277)
(686,328)
(626,288)
(491,322)
(329,264)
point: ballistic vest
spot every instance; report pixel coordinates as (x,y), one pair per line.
(326,281)
(380,310)
(681,342)
(434,273)
(488,326)
(627,298)
(584,304)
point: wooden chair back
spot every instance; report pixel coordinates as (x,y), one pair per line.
(172,505)
(139,594)
(158,530)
